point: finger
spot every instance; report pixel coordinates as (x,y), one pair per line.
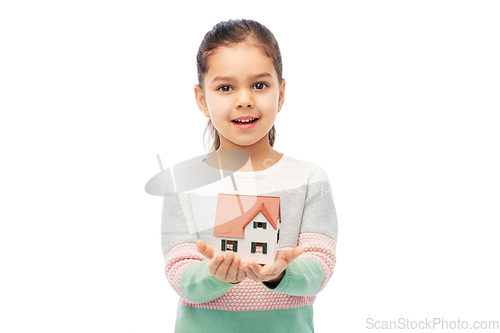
(223,268)
(242,275)
(290,255)
(272,269)
(250,273)
(255,268)
(297,252)
(214,264)
(232,272)
(201,246)
(206,250)
(294,254)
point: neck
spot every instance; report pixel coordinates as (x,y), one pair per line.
(262,155)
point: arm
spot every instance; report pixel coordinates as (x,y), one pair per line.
(318,233)
(186,269)
(305,276)
(310,273)
(188,272)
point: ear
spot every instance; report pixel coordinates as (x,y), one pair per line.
(281,98)
(199,95)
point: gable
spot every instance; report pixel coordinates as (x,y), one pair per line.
(235,211)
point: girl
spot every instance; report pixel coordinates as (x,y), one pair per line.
(240,90)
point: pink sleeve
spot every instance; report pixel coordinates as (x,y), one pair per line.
(178,258)
(320,248)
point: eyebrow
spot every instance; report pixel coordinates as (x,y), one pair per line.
(229,78)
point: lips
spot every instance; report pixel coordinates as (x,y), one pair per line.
(244,122)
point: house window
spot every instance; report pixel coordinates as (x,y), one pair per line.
(229,245)
(258,247)
(259,225)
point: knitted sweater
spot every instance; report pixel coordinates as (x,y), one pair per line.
(308,219)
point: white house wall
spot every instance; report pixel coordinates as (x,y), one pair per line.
(268,235)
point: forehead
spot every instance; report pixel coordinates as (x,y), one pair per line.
(239,60)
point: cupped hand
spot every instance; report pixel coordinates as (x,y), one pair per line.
(272,273)
(226,269)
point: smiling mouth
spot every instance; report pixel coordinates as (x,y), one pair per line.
(248,121)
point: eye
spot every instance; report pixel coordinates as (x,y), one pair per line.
(260,85)
(224,88)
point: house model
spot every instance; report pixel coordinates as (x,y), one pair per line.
(248,226)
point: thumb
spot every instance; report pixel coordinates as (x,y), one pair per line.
(293,254)
(206,250)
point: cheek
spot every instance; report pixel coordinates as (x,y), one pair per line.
(269,102)
(216,109)
(218,104)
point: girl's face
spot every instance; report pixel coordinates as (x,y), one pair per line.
(241,84)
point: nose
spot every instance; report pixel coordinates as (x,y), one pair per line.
(244,99)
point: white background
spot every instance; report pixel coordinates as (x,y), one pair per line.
(397,100)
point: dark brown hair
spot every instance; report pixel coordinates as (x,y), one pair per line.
(231,32)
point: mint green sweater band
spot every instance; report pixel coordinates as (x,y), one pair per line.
(196,320)
(200,286)
(303,277)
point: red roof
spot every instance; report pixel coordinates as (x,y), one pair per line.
(235,211)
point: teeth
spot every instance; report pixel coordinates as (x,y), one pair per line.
(245,121)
